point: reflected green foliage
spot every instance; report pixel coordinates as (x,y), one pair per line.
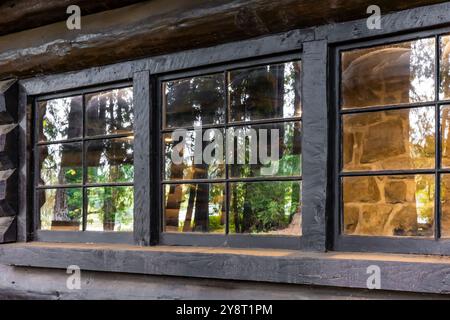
(110,209)
(61,209)
(288,147)
(60,164)
(256,93)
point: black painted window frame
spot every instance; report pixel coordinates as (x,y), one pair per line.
(417,245)
(48,235)
(228,239)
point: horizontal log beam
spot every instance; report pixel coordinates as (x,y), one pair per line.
(162,26)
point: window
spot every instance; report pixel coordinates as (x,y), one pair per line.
(84,161)
(231,150)
(394,160)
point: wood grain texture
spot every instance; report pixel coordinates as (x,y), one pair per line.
(50,284)
(142,165)
(164,26)
(398,272)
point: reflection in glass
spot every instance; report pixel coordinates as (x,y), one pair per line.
(109,112)
(110,160)
(388,140)
(110,209)
(444,68)
(445,136)
(194,101)
(271,91)
(194,208)
(266,208)
(265,150)
(389,205)
(61,209)
(388,74)
(60,119)
(181,162)
(60,164)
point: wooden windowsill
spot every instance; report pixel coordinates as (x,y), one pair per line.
(415,273)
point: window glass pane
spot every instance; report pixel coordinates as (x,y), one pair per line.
(388,74)
(110,160)
(445,136)
(60,164)
(265,150)
(266,208)
(194,208)
(271,91)
(194,101)
(181,162)
(389,205)
(391,139)
(444,68)
(61,209)
(109,112)
(110,209)
(60,119)
(445,205)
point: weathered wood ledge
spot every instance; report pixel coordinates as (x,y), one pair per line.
(416,273)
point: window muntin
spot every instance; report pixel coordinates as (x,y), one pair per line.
(204,200)
(393,140)
(85,166)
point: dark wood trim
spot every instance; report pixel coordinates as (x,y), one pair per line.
(142,151)
(398,272)
(85,237)
(406,21)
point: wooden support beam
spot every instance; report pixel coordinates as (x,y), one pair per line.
(398,272)
(163,26)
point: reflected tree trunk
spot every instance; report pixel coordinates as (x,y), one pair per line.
(60,211)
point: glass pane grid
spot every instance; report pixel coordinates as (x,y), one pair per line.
(436,171)
(171,185)
(84,186)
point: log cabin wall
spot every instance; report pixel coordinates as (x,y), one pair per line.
(34,41)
